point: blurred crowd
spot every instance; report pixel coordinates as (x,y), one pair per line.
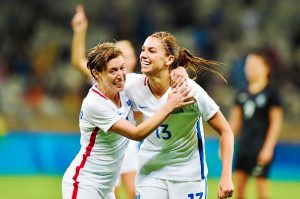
(40,90)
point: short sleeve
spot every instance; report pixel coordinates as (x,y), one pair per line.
(100,114)
(275,98)
(207,106)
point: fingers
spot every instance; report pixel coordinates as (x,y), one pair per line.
(182,86)
(80,8)
(179,81)
(188,101)
(79,21)
(225,193)
(177,78)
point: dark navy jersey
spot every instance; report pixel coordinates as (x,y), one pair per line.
(255,109)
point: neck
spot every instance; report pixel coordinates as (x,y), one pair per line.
(256,87)
(159,84)
(113,96)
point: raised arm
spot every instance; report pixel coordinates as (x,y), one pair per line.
(176,99)
(219,123)
(79,25)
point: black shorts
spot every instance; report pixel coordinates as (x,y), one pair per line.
(248,165)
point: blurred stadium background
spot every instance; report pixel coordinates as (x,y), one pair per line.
(41,93)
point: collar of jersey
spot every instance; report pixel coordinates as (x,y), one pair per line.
(96,90)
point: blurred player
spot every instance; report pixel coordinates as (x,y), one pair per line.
(79,60)
(103,126)
(257,115)
(172,159)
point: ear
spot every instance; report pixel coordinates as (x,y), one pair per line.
(96,73)
(170,60)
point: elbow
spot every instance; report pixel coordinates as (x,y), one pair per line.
(138,138)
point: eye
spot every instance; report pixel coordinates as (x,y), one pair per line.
(113,71)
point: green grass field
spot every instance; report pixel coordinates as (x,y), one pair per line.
(49,187)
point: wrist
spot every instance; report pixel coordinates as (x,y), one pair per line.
(226,174)
(168,108)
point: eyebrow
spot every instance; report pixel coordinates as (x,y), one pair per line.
(116,67)
(150,47)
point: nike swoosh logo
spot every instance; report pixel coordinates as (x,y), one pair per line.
(142,107)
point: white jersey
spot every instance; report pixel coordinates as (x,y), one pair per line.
(99,160)
(175,151)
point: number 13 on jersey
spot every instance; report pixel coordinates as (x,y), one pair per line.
(162,132)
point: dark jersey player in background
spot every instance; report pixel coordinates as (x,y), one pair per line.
(257,116)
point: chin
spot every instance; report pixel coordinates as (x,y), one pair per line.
(120,88)
(145,71)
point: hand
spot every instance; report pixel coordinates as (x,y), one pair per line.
(178,76)
(79,21)
(226,188)
(180,97)
(265,156)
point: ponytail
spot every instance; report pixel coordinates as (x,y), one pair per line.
(195,65)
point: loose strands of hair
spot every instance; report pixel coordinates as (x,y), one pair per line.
(197,64)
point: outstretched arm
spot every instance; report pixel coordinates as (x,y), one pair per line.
(79,25)
(175,100)
(219,123)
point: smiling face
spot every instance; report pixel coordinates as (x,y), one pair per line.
(113,78)
(153,57)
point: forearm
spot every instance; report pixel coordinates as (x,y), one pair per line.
(149,125)
(276,117)
(227,147)
(125,128)
(219,123)
(78,53)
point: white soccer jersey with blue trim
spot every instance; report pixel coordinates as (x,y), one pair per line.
(99,160)
(175,151)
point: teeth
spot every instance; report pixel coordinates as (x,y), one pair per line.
(145,63)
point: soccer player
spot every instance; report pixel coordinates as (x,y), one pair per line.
(103,126)
(79,25)
(172,159)
(257,115)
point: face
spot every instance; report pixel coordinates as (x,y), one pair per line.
(255,68)
(113,78)
(153,56)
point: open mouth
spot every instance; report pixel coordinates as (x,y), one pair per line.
(145,63)
(119,83)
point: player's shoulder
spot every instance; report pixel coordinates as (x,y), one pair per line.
(94,99)
(194,84)
(197,90)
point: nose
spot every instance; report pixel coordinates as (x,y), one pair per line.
(120,73)
(143,54)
